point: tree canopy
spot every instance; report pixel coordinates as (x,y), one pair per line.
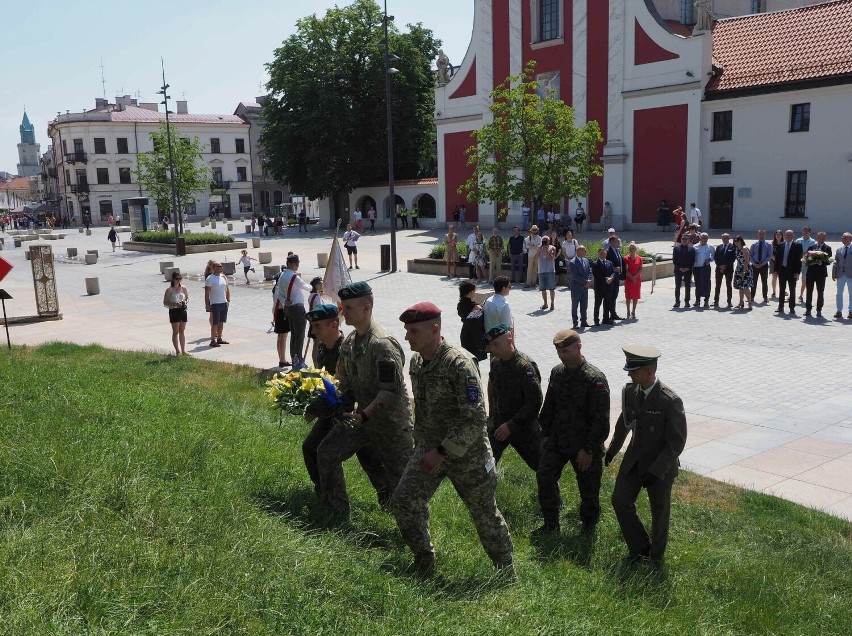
(532,150)
(191,174)
(325,129)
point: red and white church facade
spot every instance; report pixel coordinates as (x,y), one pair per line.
(654,87)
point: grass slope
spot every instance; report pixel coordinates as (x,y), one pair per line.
(151,495)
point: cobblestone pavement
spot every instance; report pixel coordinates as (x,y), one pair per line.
(768,397)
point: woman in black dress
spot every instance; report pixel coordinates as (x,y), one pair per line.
(664,216)
(176,298)
(473,320)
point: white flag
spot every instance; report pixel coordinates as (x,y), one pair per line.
(336,272)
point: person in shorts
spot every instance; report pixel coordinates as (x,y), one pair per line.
(217,297)
(245,260)
(350,241)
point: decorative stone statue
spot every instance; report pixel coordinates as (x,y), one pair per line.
(703,15)
(443,68)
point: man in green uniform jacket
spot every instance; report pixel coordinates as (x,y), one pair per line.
(655,415)
(451,441)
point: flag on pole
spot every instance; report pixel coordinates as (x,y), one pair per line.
(336,273)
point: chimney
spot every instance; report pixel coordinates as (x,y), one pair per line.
(182,108)
(101,103)
(150,106)
(122,102)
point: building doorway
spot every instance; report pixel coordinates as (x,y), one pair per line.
(721,208)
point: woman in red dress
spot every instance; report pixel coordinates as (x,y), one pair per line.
(633,280)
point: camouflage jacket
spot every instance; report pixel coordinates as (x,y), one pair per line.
(514,394)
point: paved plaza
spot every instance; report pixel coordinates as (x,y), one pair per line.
(768,397)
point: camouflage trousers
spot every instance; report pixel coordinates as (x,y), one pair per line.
(393,448)
(367,457)
(550,466)
(475,486)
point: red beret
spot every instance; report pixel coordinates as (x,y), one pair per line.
(420,313)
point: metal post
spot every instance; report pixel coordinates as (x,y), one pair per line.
(392,198)
(179,249)
(3,296)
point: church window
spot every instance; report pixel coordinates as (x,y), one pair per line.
(549,19)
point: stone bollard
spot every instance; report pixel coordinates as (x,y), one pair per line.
(95,252)
(264,257)
(255,242)
(229,268)
(165,264)
(72,252)
(27,254)
(167,273)
(88,232)
(91,259)
(81,229)
(17,242)
(213,225)
(93,286)
(322,259)
(248,229)
(269,271)
(230,227)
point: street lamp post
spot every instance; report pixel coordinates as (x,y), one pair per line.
(180,246)
(389,72)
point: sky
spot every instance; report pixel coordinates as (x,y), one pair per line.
(214,52)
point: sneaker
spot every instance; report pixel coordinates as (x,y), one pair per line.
(213,343)
(356,267)
(849,315)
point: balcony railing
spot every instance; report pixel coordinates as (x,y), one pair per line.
(75,157)
(77,188)
(218,184)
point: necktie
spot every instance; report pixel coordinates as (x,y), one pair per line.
(760,252)
(641,397)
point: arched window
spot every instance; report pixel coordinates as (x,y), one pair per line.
(278,197)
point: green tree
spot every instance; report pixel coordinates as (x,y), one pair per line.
(191,174)
(532,150)
(325,130)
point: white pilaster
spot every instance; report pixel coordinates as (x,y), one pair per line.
(580,65)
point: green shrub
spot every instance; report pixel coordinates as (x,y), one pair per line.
(168,237)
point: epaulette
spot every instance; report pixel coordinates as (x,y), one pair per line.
(665,390)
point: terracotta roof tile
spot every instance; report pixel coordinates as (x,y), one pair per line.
(136,114)
(786,46)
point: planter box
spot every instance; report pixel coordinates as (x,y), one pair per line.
(72,252)
(229,268)
(93,286)
(167,248)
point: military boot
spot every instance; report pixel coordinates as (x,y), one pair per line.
(424,563)
(546,529)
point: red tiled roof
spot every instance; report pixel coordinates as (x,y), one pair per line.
(136,114)
(18,183)
(786,46)
(410,182)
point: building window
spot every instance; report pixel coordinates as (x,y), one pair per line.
(121,146)
(124,175)
(67,177)
(214,145)
(797,188)
(100,146)
(722,125)
(103,175)
(105,209)
(277,197)
(241,173)
(245,203)
(241,145)
(548,19)
(721,167)
(800,117)
(217,175)
(64,146)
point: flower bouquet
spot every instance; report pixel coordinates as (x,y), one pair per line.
(817,257)
(293,392)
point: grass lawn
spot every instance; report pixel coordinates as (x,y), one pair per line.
(144,494)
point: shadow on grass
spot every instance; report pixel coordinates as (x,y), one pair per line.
(302,507)
(570,544)
(468,586)
(643,580)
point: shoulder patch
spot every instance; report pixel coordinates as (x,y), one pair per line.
(472,389)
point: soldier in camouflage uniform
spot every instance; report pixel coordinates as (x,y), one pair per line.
(370,373)
(325,325)
(451,441)
(575,424)
(514,397)
(655,415)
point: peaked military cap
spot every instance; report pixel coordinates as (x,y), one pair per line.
(495,332)
(565,338)
(639,356)
(355,290)
(322,312)
(420,313)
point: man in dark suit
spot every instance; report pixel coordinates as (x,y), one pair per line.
(614,256)
(604,277)
(684,260)
(817,273)
(726,260)
(580,275)
(788,260)
(655,415)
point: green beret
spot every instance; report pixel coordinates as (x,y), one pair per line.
(355,290)
(420,313)
(322,312)
(638,356)
(495,332)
